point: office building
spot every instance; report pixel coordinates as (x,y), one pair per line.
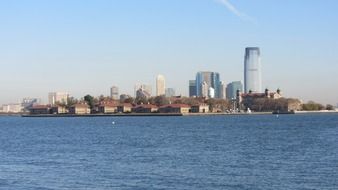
(252,70)
(160,85)
(204,90)
(57,97)
(212,79)
(114,92)
(169,92)
(192,88)
(211,92)
(144,87)
(222,90)
(232,88)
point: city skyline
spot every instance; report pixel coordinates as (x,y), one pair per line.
(59,46)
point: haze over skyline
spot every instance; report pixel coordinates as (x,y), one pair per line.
(85,47)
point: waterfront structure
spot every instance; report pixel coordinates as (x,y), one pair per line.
(79,109)
(252,70)
(12,108)
(232,88)
(169,92)
(211,79)
(107,107)
(40,109)
(114,92)
(57,97)
(124,108)
(222,90)
(29,102)
(174,108)
(192,88)
(58,109)
(160,85)
(145,108)
(200,108)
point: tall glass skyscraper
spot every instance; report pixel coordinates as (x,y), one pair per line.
(211,79)
(252,70)
(232,89)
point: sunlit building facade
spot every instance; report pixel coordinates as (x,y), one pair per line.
(252,70)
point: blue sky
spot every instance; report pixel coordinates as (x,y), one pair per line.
(86,46)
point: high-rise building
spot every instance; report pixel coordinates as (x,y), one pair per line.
(57,97)
(222,90)
(144,87)
(211,92)
(169,92)
(114,92)
(160,85)
(232,89)
(204,89)
(252,70)
(192,88)
(212,79)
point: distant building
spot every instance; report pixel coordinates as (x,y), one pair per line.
(79,109)
(252,70)
(144,87)
(204,90)
(107,107)
(192,88)
(141,93)
(57,97)
(114,92)
(222,90)
(169,92)
(232,89)
(29,102)
(211,92)
(201,108)
(212,79)
(12,108)
(174,108)
(160,85)
(145,108)
(124,108)
(123,97)
(40,109)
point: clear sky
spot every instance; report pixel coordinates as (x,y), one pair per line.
(86,46)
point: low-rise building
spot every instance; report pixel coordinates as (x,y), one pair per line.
(200,108)
(124,108)
(40,109)
(12,108)
(174,108)
(79,109)
(107,107)
(145,108)
(59,109)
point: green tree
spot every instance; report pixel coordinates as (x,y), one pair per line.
(90,101)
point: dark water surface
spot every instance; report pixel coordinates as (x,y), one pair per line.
(211,152)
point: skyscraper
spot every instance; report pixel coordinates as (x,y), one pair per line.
(222,90)
(252,70)
(169,92)
(144,87)
(114,92)
(192,88)
(232,89)
(160,85)
(211,79)
(57,97)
